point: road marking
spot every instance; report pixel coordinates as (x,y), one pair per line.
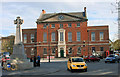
(106,73)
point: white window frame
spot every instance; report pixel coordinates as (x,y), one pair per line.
(45,37)
(61,36)
(53,36)
(78,50)
(92,36)
(69,36)
(32,38)
(25,40)
(77,24)
(44,51)
(53,26)
(78,36)
(101,36)
(69,25)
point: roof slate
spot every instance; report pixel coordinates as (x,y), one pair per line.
(76,15)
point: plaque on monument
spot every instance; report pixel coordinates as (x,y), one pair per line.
(18,56)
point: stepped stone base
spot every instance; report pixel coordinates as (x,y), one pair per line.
(22,65)
(19,58)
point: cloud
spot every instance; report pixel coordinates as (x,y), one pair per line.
(98,13)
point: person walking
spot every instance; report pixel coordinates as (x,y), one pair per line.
(38,62)
(34,62)
(31,59)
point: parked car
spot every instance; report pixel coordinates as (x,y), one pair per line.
(112,58)
(92,58)
(76,63)
(101,57)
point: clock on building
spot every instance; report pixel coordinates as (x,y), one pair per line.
(60,17)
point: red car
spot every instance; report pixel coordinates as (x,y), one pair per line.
(4,59)
(92,58)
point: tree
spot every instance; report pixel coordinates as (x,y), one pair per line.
(8,46)
(116,45)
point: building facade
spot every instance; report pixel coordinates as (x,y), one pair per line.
(30,41)
(7,43)
(64,35)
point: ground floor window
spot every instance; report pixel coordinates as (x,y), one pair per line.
(32,51)
(101,49)
(79,50)
(53,50)
(44,51)
(93,49)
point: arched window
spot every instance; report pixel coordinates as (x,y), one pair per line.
(79,50)
(44,51)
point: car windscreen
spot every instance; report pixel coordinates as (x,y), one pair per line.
(77,60)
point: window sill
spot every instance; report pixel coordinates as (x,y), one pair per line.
(44,28)
(44,41)
(53,41)
(78,53)
(32,42)
(69,41)
(44,54)
(53,53)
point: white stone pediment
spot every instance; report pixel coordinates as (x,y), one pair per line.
(61,18)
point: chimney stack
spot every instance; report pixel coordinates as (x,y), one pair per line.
(43,11)
(85,9)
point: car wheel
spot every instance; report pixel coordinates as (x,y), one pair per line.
(118,61)
(67,68)
(88,60)
(114,61)
(71,69)
(98,60)
(105,62)
(85,70)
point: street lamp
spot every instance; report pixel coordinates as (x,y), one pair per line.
(49,40)
(88,42)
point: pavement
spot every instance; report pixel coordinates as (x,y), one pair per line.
(58,66)
(54,60)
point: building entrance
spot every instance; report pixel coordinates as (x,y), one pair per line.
(62,53)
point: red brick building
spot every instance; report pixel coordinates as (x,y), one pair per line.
(64,35)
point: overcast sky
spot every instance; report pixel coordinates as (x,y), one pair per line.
(99,12)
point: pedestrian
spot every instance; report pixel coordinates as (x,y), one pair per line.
(38,62)
(31,59)
(3,61)
(34,62)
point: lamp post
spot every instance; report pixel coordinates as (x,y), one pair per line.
(49,40)
(88,42)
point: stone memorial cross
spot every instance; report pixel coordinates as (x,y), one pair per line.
(18,38)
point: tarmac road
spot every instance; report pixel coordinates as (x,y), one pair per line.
(60,68)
